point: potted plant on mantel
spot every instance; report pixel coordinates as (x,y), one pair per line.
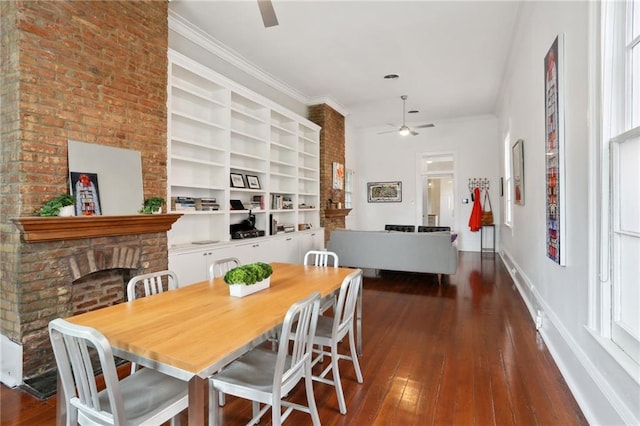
(62,205)
(250,278)
(152,205)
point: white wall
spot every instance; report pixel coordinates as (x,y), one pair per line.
(390,157)
(606,393)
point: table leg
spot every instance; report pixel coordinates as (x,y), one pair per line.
(198,388)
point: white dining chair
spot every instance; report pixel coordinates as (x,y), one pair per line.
(265,377)
(323,258)
(220,267)
(151,283)
(146,397)
(147,285)
(331,330)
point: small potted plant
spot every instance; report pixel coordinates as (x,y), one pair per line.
(250,278)
(62,205)
(152,205)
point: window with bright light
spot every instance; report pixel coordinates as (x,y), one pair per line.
(620,177)
(507,189)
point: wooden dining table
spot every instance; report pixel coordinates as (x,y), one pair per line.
(193,331)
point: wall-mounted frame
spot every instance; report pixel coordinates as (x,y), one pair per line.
(253,182)
(338,176)
(554,150)
(517,167)
(384,192)
(237,180)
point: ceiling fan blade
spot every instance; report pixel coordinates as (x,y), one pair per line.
(389,131)
(424,126)
(414,133)
(268,13)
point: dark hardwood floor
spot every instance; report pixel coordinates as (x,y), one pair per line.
(463,353)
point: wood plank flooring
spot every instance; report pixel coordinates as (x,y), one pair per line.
(462,353)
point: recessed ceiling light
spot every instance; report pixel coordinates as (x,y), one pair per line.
(391,76)
(413,111)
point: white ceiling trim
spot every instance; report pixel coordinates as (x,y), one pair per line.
(186,29)
(332,103)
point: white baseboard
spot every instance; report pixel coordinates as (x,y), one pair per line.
(598,402)
(10,362)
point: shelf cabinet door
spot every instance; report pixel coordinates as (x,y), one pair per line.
(190,267)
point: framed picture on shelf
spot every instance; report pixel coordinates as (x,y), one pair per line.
(384,192)
(237,180)
(253,182)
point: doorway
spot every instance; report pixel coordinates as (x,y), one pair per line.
(437,179)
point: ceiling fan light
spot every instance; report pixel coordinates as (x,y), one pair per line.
(404,131)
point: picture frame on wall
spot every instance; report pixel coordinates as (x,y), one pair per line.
(384,192)
(517,157)
(338,176)
(237,180)
(554,151)
(253,182)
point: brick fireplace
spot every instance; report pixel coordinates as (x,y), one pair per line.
(91,71)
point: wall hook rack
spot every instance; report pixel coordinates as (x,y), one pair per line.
(480,183)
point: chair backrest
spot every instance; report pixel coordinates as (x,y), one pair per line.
(222,266)
(151,283)
(433,228)
(400,228)
(321,258)
(293,359)
(72,349)
(346,306)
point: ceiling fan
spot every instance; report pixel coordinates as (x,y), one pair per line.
(268,14)
(405,130)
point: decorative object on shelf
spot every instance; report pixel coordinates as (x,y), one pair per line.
(384,192)
(237,180)
(253,182)
(58,206)
(554,150)
(152,205)
(338,176)
(85,190)
(517,157)
(250,278)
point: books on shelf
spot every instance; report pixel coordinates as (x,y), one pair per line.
(281,202)
(194,204)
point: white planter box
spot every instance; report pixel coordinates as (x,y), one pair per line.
(241,290)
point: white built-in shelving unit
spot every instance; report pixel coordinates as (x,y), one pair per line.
(217,127)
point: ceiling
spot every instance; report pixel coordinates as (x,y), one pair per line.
(450,55)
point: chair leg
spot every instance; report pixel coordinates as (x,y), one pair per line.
(214,409)
(336,378)
(354,356)
(311,399)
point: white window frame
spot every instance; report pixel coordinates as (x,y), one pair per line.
(508,182)
(614,107)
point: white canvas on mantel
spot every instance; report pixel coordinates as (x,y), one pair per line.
(119,172)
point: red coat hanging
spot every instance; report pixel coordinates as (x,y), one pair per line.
(475,220)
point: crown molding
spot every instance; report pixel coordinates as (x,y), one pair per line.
(329,101)
(193,33)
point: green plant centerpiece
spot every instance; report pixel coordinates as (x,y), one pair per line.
(152,205)
(53,206)
(250,278)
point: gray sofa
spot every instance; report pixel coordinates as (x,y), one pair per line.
(429,252)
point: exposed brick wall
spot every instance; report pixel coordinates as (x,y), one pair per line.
(332,142)
(91,71)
